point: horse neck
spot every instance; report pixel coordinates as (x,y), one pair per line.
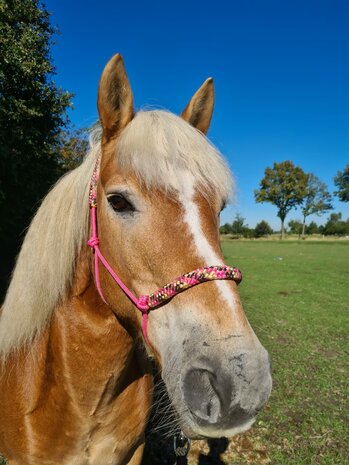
(89,344)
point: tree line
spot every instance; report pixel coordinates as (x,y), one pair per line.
(239,229)
(287,187)
(334,226)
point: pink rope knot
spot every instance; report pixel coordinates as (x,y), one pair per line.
(93,242)
(142,304)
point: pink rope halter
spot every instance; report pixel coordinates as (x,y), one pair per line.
(146,303)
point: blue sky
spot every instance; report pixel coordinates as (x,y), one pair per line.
(281,71)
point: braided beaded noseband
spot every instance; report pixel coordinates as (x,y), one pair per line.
(162,296)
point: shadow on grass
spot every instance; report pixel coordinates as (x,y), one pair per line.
(159,451)
(217,447)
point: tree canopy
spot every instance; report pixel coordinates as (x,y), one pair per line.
(283,185)
(238,225)
(32,113)
(317,199)
(262,229)
(295,226)
(73,147)
(341,181)
(335,226)
(32,110)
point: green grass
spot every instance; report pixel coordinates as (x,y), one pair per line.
(296,296)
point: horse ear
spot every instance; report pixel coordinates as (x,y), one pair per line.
(115,100)
(199,110)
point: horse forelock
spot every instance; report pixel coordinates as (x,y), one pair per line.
(157,147)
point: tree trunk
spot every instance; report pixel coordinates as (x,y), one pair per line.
(282,229)
(303,228)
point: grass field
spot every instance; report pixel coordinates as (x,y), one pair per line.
(296,296)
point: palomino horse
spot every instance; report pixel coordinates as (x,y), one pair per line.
(75,386)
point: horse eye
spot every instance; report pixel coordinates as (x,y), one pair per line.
(224,204)
(120,204)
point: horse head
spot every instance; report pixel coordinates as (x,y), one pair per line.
(160,191)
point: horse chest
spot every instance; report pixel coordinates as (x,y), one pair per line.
(109,433)
(70,426)
(110,440)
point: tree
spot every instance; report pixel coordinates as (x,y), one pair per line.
(335,217)
(32,112)
(312,228)
(321,229)
(225,229)
(335,226)
(73,147)
(247,232)
(295,227)
(342,182)
(284,186)
(262,229)
(317,199)
(238,225)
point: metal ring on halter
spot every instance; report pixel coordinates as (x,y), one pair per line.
(181,445)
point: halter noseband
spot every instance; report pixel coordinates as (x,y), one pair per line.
(162,296)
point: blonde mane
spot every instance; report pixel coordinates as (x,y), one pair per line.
(157,146)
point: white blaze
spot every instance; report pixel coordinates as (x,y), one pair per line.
(204,249)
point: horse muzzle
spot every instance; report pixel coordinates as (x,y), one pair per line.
(223,399)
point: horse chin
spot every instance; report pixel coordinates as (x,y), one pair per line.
(195,431)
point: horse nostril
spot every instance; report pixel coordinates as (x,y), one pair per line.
(200,395)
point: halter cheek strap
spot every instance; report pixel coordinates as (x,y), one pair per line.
(162,296)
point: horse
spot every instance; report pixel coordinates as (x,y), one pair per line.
(76,343)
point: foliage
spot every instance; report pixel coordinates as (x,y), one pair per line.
(238,225)
(335,226)
(295,226)
(32,112)
(262,229)
(284,186)
(247,232)
(317,199)
(312,228)
(342,183)
(225,229)
(335,217)
(238,228)
(73,147)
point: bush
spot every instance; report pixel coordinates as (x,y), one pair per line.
(225,229)
(335,226)
(312,228)
(262,229)
(295,227)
